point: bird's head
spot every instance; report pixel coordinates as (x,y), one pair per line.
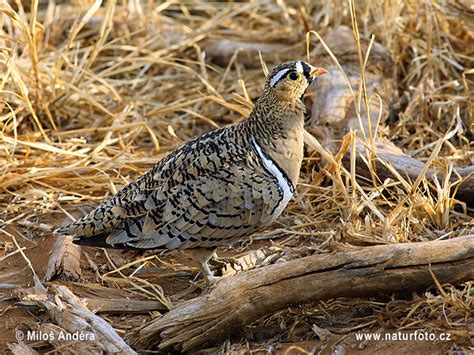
(289,80)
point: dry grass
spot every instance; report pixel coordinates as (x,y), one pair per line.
(92,95)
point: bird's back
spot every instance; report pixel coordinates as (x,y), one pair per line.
(208,192)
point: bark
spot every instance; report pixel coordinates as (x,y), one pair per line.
(240,300)
(21,348)
(64,261)
(71,316)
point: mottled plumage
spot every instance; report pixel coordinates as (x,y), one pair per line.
(218,188)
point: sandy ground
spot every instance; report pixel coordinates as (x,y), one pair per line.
(14,270)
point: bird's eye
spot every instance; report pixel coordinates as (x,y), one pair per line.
(293,75)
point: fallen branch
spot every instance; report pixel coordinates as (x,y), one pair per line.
(21,348)
(405,165)
(102,299)
(333,114)
(238,301)
(72,317)
(64,261)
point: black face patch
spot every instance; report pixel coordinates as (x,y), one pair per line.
(306,71)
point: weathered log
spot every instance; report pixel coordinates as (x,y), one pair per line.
(64,261)
(100,299)
(73,317)
(21,348)
(240,300)
(57,337)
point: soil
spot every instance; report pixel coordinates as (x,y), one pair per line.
(14,271)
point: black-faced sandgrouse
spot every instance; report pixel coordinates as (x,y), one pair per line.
(216,189)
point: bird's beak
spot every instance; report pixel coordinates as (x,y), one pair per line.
(317,72)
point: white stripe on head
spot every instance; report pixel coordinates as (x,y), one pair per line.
(299,67)
(278,76)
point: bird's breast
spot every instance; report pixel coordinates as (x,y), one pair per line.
(288,154)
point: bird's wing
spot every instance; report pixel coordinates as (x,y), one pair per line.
(168,172)
(127,202)
(209,187)
(204,211)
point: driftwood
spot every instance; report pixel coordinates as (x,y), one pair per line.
(71,316)
(64,261)
(56,336)
(21,348)
(102,299)
(123,305)
(240,300)
(333,112)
